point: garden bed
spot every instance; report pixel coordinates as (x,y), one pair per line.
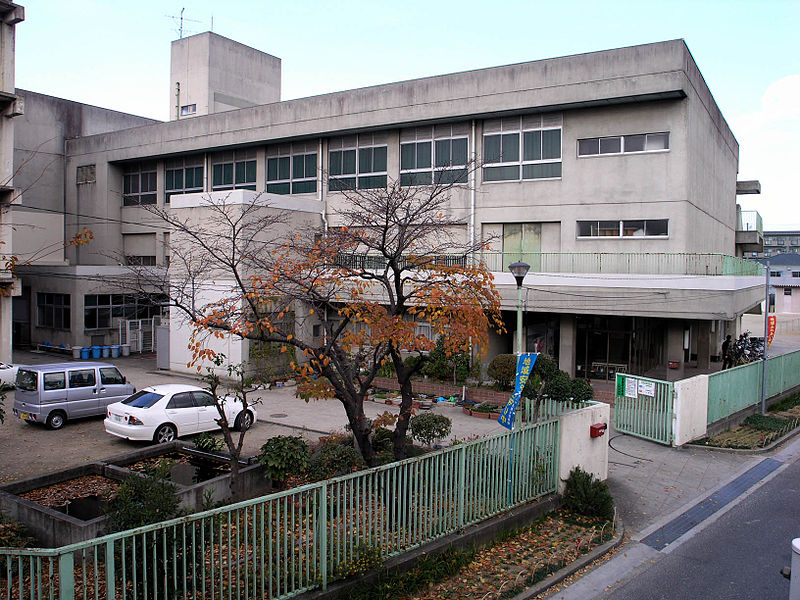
(759,431)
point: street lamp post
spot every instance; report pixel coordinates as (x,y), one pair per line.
(519,270)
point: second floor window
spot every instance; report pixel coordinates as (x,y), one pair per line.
(234,170)
(293,169)
(619,144)
(627,228)
(183,176)
(431,155)
(139,184)
(527,147)
(357,163)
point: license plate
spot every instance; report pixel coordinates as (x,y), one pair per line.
(24,416)
(119,418)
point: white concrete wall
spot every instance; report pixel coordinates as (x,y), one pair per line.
(691,409)
(577,449)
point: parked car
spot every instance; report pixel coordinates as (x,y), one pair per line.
(8,375)
(58,392)
(162,413)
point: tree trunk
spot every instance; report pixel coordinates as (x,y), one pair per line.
(401,427)
(362,429)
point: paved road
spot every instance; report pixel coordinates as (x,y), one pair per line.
(737,557)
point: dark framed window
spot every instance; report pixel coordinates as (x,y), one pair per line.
(527,147)
(139,184)
(436,155)
(234,170)
(100,310)
(362,165)
(183,176)
(140,261)
(53,310)
(292,174)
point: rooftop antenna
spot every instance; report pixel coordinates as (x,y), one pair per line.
(179,20)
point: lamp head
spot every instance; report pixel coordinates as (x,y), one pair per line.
(519,270)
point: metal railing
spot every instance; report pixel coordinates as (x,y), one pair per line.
(633,263)
(732,390)
(749,220)
(373,262)
(644,407)
(286,543)
(550,408)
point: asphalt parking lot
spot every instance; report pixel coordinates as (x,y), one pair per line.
(27,450)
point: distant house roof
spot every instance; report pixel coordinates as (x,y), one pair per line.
(785,259)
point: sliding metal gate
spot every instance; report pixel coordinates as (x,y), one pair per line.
(644,408)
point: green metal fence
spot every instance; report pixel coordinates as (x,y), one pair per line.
(551,409)
(283,544)
(644,407)
(642,263)
(735,389)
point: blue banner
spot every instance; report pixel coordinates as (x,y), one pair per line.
(525,364)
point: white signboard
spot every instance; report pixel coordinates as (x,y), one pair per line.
(647,388)
(630,388)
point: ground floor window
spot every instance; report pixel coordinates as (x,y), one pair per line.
(53,310)
(100,311)
(609,345)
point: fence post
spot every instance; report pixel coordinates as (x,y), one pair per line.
(66,577)
(462,477)
(110,574)
(322,520)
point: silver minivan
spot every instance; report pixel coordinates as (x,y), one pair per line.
(55,393)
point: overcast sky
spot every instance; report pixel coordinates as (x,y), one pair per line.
(116,54)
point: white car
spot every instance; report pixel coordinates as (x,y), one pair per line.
(162,413)
(8,375)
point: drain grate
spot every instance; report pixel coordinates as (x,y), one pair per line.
(663,537)
(278,416)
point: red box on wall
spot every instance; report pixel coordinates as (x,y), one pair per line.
(597,429)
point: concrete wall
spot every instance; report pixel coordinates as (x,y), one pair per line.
(575,446)
(691,409)
(218,74)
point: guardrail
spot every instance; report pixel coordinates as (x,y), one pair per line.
(281,545)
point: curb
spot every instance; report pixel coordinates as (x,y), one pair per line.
(764,450)
(574,566)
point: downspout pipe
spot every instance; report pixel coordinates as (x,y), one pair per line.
(320,181)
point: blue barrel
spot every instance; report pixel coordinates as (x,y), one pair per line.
(85,353)
(96,351)
(106,351)
(115,351)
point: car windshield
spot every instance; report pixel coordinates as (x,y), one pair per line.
(143,399)
(26,380)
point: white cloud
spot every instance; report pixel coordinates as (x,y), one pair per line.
(769,150)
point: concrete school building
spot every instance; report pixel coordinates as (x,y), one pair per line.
(613,174)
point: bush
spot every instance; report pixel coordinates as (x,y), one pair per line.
(545,367)
(429,427)
(411,360)
(445,368)
(333,460)
(588,496)
(284,455)
(208,443)
(558,387)
(582,390)
(764,423)
(503,369)
(14,535)
(142,500)
(382,440)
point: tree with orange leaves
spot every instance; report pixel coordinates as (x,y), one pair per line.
(392,259)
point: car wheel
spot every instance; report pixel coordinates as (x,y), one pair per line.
(165,433)
(56,420)
(244,421)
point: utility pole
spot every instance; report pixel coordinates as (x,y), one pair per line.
(766,331)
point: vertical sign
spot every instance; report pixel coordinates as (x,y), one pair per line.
(525,364)
(772,325)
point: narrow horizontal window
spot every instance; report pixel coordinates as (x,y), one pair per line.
(642,142)
(625,229)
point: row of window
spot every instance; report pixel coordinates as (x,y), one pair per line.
(53,310)
(517,148)
(81,378)
(795,274)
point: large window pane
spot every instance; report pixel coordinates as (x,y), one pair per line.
(408,156)
(609,228)
(510,149)
(372,182)
(379,159)
(423,156)
(443,153)
(532,145)
(304,187)
(459,151)
(541,171)
(491,148)
(278,188)
(311,165)
(551,144)
(632,228)
(657,141)
(419,178)
(348,162)
(586,228)
(336,163)
(365,160)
